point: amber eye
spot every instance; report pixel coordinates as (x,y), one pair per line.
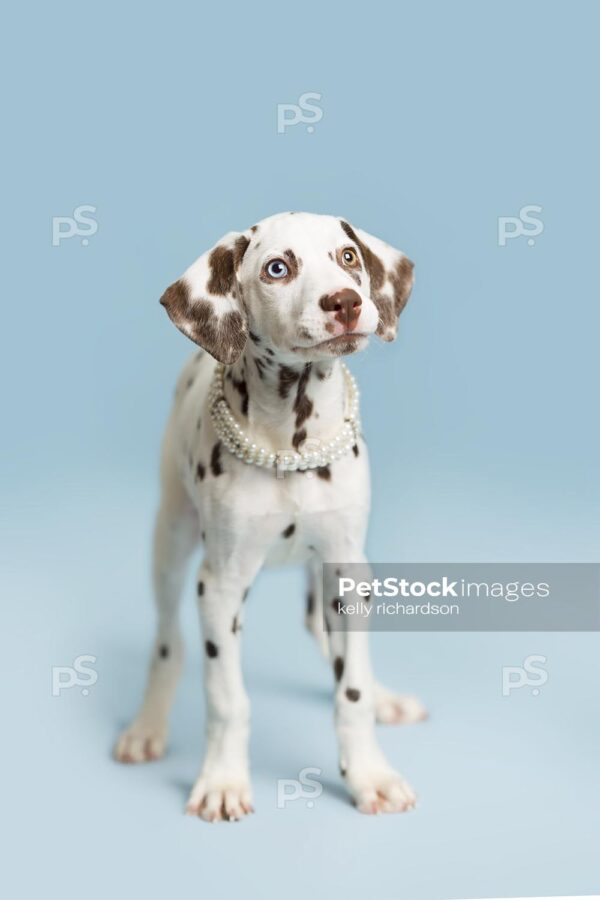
(349,257)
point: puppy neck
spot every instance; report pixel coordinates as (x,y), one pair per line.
(283,405)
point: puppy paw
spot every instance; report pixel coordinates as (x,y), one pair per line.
(140,743)
(381,791)
(397,709)
(220,799)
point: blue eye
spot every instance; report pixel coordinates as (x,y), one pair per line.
(277,269)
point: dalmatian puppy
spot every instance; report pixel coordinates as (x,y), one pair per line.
(274,309)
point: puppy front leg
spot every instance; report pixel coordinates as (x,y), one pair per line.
(222,790)
(375,786)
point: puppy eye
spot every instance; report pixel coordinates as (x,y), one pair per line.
(350,256)
(277,269)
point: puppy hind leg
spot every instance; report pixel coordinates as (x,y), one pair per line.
(175,537)
(391,708)
(373,783)
(314,606)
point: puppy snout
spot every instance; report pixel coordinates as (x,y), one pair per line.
(345,305)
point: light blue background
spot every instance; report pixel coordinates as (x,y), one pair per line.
(482,421)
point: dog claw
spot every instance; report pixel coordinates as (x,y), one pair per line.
(219,802)
(382,793)
(140,743)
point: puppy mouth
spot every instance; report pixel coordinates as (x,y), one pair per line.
(342,343)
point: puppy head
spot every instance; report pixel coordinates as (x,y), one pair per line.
(311,286)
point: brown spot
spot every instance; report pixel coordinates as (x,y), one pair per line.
(336,605)
(338,668)
(342,771)
(324,472)
(287,377)
(222,271)
(223,263)
(239,249)
(353,694)
(222,336)
(242,389)
(254,337)
(235,626)
(200,588)
(310,603)
(303,408)
(402,281)
(303,405)
(212,650)
(386,327)
(298,438)
(288,531)
(294,264)
(215,460)
(200,471)
(163,651)
(373,264)
(254,228)
(355,449)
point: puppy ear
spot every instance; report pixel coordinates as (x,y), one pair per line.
(206,302)
(391,276)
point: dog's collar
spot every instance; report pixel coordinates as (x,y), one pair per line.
(238,443)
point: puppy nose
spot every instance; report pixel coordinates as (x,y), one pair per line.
(346,306)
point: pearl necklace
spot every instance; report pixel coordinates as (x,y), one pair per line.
(238,443)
